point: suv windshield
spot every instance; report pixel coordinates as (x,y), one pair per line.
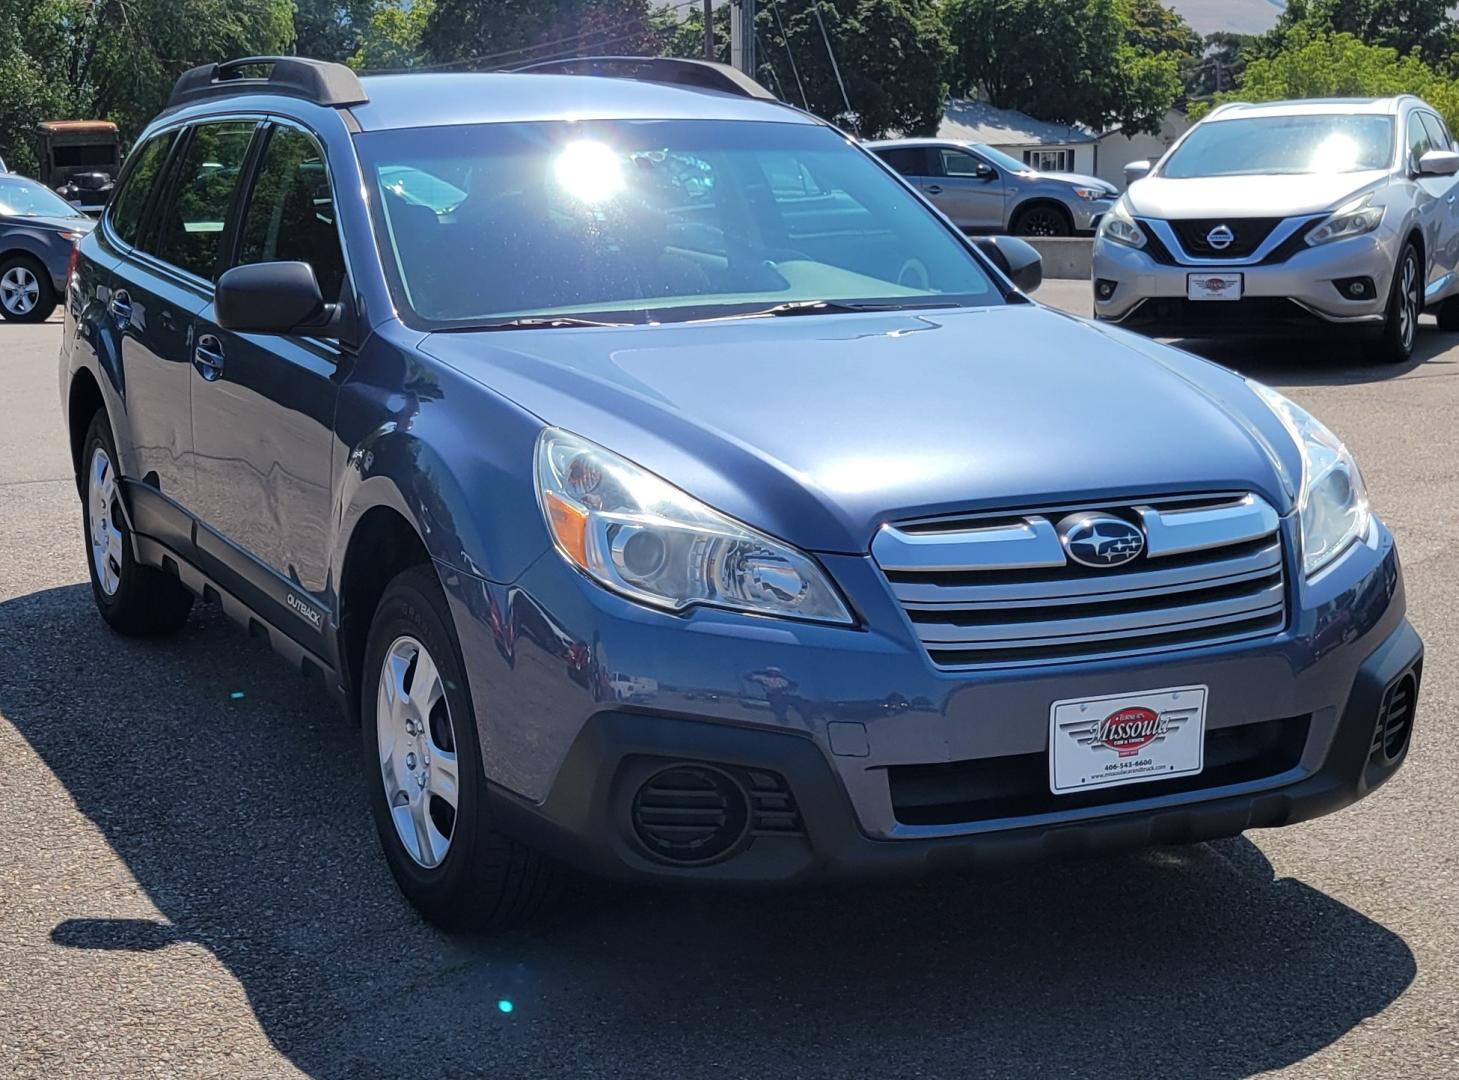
(657,220)
(30,198)
(1314,143)
(1002,160)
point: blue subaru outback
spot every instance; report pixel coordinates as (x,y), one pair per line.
(672,493)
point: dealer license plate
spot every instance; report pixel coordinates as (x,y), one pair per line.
(1213,286)
(1126,738)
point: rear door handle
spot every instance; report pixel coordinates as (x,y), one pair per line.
(208,357)
(120,306)
(934,189)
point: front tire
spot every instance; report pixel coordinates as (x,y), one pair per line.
(26,292)
(135,600)
(1394,343)
(1042,219)
(423,770)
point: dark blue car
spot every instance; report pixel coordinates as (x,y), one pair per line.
(670,491)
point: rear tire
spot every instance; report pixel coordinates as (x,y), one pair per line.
(1394,343)
(135,600)
(26,292)
(421,751)
(1042,219)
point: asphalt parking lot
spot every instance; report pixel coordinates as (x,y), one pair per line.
(189,882)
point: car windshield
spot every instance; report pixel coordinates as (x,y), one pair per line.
(31,198)
(1316,143)
(1002,160)
(650,221)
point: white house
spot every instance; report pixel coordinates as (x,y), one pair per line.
(1057,147)
(1116,149)
(1045,146)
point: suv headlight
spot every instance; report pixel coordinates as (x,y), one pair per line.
(638,535)
(1092,194)
(1334,502)
(1351,219)
(1117,225)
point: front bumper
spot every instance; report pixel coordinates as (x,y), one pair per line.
(1086,215)
(581,696)
(1299,292)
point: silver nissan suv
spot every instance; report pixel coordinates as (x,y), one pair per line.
(1292,215)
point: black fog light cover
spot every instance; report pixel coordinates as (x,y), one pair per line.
(1356,288)
(1104,288)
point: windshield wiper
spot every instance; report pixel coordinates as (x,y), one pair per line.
(822,307)
(543,322)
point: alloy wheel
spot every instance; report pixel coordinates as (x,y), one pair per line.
(417,742)
(20,290)
(1408,306)
(106,536)
(1042,223)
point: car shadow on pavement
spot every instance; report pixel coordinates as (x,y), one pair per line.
(231,790)
(1323,361)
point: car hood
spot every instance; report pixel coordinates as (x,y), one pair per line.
(1074,179)
(818,429)
(60,224)
(1245,196)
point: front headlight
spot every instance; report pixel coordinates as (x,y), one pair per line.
(1092,194)
(640,536)
(1119,226)
(1350,219)
(1334,502)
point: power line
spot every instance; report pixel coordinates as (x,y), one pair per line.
(835,67)
(789,55)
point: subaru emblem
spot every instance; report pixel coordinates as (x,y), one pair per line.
(1100,540)
(1221,237)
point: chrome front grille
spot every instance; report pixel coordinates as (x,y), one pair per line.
(999,590)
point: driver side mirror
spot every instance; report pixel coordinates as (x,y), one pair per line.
(984,171)
(1136,170)
(1018,259)
(274,298)
(1438,163)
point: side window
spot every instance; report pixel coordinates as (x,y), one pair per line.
(131,201)
(1438,134)
(206,178)
(907,160)
(960,163)
(1418,139)
(290,215)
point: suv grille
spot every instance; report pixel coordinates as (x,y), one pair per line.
(999,591)
(1247,235)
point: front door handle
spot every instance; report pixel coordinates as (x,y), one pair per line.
(208,357)
(120,306)
(933,189)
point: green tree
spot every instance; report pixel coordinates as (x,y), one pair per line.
(1402,25)
(1219,68)
(392,39)
(329,30)
(892,56)
(1340,65)
(1068,61)
(117,59)
(486,34)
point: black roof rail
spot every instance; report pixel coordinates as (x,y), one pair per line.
(698,74)
(292,76)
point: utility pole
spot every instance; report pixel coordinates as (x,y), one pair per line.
(742,35)
(709,29)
